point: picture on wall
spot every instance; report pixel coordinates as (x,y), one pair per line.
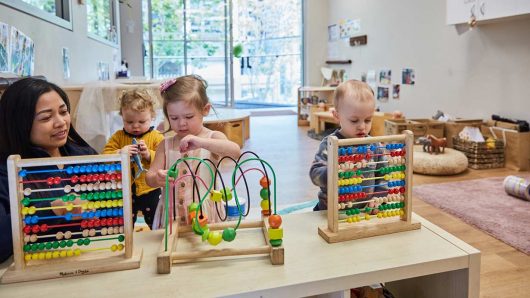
(4,46)
(22,53)
(407,76)
(333,32)
(395,91)
(370,78)
(385,76)
(382,94)
(349,28)
(66,63)
(363,77)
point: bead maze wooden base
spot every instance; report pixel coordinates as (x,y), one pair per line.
(166,259)
(64,261)
(337,231)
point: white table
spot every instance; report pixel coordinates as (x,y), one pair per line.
(427,262)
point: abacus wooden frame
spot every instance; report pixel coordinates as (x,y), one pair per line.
(165,259)
(335,232)
(19,271)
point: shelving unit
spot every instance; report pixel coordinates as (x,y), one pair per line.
(308,102)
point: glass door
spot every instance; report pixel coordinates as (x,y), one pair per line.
(269,70)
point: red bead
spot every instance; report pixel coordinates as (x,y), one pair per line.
(402,190)
(84,224)
(57,180)
(403,152)
(120,221)
(115,222)
(368,156)
(102,177)
(91,223)
(118,177)
(44,227)
(97,223)
(27,229)
(103,222)
(74,179)
(107,177)
(82,179)
(35,229)
(49,181)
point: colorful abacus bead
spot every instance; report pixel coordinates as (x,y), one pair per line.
(229,234)
(216,196)
(275,221)
(227,194)
(215,238)
(264,182)
(275,236)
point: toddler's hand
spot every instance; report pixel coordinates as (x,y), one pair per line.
(133,149)
(189,142)
(161,177)
(144,151)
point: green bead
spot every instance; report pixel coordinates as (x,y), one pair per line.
(87,241)
(120,194)
(264,193)
(34,247)
(64,198)
(357,211)
(276,242)
(380,207)
(25,202)
(193,207)
(205,235)
(367,210)
(48,245)
(340,175)
(196,228)
(80,242)
(108,194)
(173,173)
(62,244)
(229,234)
(83,196)
(114,195)
(42,246)
(27,247)
(121,238)
(69,243)
(359,172)
(90,196)
(55,244)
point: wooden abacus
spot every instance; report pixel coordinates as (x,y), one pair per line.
(102,184)
(348,160)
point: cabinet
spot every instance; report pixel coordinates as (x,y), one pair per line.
(461,11)
(311,100)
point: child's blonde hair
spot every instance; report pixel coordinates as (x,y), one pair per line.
(190,88)
(138,100)
(354,90)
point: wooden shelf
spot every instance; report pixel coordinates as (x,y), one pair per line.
(338,62)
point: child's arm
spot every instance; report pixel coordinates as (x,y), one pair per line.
(156,176)
(319,167)
(218,145)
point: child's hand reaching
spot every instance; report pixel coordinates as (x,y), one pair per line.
(144,151)
(190,142)
(133,149)
(161,177)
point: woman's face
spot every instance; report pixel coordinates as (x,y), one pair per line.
(51,123)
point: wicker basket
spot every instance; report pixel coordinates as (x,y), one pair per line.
(479,155)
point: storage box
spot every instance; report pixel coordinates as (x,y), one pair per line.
(378,123)
(397,126)
(481,155)
(517,144)
(434,127)
(453,127)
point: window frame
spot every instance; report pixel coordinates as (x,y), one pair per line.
(114,21)
(64,6)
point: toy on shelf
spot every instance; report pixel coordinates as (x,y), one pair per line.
(215,233)
(91,235)
(354,213)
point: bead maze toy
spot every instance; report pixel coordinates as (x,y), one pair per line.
(215,233)
(369,187)
(67,216)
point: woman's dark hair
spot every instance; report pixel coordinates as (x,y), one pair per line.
(17,112)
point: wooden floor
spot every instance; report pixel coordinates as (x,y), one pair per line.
(505,271)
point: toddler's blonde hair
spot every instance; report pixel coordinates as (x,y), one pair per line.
(353,90)
(190,88)
(138,100)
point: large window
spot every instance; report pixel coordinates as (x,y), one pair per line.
(53,11)
(195,36)
(102,20)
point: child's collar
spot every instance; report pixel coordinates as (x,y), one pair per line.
(140,135)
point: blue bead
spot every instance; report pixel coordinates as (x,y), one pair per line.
(101,168)
(106,168)
(104,213)
(82,169)
(34,219)
(114,212)
(68,216)
(118,167)
(27,220)
(76,170)
(70,170)
(120,212)
(91,214)
(373,148)
(84,215)
(350,150)
(112,168)
(98,213)
(22,173)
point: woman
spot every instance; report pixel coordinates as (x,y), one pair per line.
(34,123)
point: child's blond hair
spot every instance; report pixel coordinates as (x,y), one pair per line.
(354,90)
(190,88)
(138,100)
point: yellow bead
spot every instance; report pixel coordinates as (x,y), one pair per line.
(48,255)
(62,254)
(367,216)
(357,218)
(215,237)
(97,205)
(42,255)
(386,177)
(27,257)
(32,210)
(401,212)
(275,234)
(120,247)
(349,220)
(69,253)
(108,204)
(264,205)
(216,196)
(114,247)
(35,256)
(24,210)
(55,254)
(114,203)
(69,207)
(91,205)
(380,215)
(120,203)
(84,206)
(77,252)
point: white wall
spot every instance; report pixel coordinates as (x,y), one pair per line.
(483,71)
(315,39)
(49,40)
(132,37)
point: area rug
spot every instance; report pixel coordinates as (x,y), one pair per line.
(484,204)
